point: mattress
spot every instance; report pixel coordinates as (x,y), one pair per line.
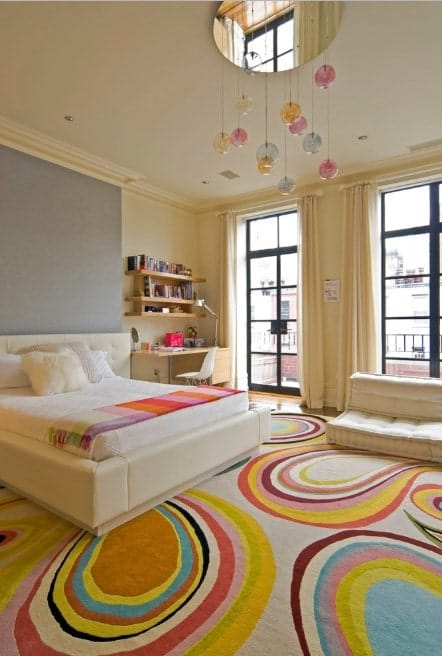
(408,438)
(24,413)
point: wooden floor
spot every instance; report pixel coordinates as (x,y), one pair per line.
(286,403)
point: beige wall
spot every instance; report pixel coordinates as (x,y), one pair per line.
(196,238)
(330,245)
(167,233)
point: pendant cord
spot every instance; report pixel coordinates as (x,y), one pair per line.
(266,107)
(328,122)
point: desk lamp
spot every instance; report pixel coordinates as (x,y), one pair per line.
(201,303)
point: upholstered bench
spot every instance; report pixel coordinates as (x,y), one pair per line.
(396,415)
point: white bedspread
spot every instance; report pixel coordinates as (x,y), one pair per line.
(24,413)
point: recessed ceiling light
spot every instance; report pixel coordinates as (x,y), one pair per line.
(68,117)
(363,137)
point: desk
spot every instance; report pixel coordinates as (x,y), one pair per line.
(149,365)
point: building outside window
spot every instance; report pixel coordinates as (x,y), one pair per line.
(411,280)
(272,279)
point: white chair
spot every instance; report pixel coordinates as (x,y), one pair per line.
(204,375)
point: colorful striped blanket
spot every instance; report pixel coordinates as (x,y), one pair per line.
(80,429)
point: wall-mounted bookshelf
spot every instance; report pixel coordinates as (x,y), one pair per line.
(159,294)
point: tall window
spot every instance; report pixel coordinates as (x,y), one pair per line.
(274,44)
(272,283)
(412,280)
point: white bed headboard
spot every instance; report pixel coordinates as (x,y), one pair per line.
(116,345)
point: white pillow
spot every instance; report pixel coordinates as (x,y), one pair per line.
(82,350)
(12,373)
(54,373)
(101,365)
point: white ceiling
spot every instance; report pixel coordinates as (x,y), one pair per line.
(143,81)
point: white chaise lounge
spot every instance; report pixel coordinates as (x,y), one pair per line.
(396,415)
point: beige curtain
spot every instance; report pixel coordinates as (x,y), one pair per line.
(358,335)
(310,333)
(315,28)
(227,328)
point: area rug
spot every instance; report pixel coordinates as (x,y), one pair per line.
(304,549)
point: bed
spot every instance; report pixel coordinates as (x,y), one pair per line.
(104,486)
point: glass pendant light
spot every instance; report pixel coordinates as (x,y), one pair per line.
(244,104)
(265,165)
(286,185)
(239,136)
(221,142)
(298,126)
(291,110)
(325,76)
(312,141)
(267,153)
(328,168)
(268,150)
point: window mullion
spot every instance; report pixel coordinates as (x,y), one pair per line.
(434,281)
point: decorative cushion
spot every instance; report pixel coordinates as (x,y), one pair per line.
(12,373)
(396,396)
(101,366)
(79,348)
(54,373)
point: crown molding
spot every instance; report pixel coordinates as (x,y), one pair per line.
(421,163)
(425,164)
(32,142)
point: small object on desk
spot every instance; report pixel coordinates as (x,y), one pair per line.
(174,339)
(135,338)
(172,348)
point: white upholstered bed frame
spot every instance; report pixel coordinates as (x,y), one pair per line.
(99,496)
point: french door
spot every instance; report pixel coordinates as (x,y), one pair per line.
(272,284)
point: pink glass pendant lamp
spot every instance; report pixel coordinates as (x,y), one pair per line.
(325,76)
(328,169)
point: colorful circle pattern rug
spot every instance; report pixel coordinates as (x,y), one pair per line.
(182,575)
(305,549)
(295,429)
(352,594)
(327,486)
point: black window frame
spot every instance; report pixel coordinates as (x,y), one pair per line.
(271,27)
(434,231)
(278,252)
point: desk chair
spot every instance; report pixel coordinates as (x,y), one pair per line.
(204,375)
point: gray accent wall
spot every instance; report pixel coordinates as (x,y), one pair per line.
(60,249)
